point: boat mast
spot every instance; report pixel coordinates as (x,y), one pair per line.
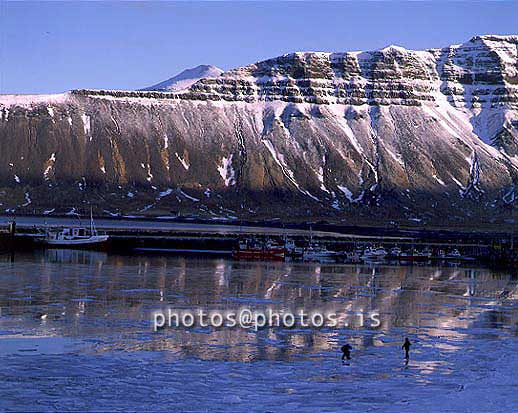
(92,226)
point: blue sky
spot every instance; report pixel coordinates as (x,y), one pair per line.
(53,47)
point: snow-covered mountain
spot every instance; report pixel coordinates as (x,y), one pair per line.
(366,137)
(186,78)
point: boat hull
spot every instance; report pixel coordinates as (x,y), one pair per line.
(259,255)
(374,257)
(94,242)
(414,258)
(319,256)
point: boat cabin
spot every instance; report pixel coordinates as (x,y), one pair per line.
(70,233)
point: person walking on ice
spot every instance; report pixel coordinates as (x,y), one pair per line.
(406,345)
(346,350)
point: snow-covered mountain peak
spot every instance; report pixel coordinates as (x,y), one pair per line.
(186,78)
(394,49)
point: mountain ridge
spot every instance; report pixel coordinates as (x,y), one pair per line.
(370,137)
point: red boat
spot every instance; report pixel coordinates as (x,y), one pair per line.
(259,251)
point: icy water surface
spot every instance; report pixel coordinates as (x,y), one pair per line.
(76,334)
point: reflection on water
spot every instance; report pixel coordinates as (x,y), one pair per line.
(105,303)
(65,256)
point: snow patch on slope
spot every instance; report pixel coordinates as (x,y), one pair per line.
(86,124)
(348,194)
(28,200)
(184,163)
(226,171)
(49,165)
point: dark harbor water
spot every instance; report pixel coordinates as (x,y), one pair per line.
(76,333)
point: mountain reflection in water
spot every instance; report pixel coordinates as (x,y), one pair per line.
(105,303)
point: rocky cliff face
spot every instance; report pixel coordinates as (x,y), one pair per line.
(365,137)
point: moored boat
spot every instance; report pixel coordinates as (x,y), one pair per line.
(394,252)
(292,250)
(74,237)
(454,255)
(316,252)
(372,253)
(416,255)
(250,249)
(79,237)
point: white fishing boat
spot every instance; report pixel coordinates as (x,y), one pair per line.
(454,255)
(74,237)
(292,250)
(316,252)
(395,252)
(374,253)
